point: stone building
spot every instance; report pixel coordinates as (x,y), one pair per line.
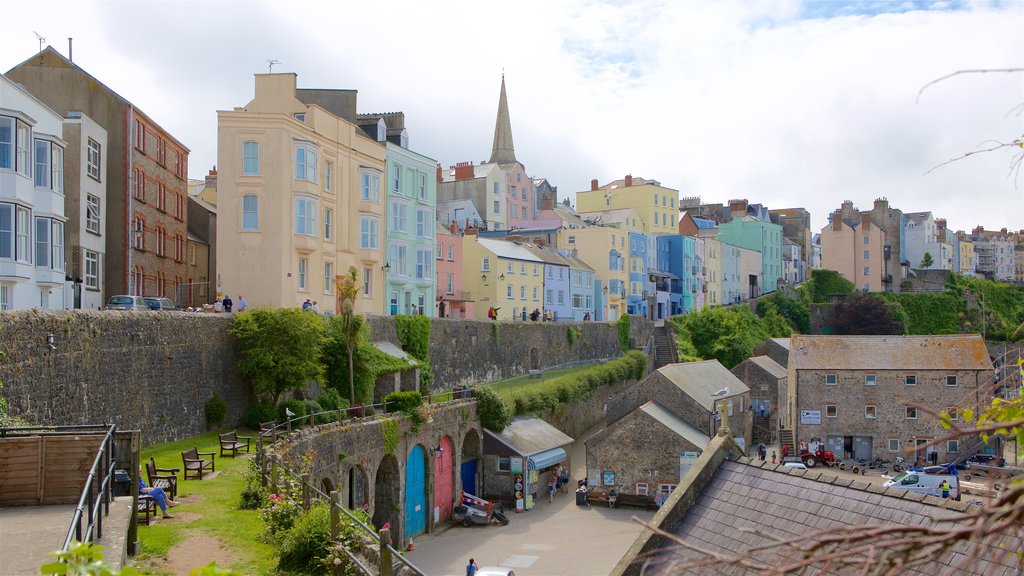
(646,452)
(767,382)
(775,348)
(146,169)
(856,394)
(518,461)
(689,391)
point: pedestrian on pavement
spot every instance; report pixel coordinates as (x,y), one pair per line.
(471,568)
(551,489)
(761,451)
(773,456)
(565,480)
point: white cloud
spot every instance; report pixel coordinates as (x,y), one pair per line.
(771,101)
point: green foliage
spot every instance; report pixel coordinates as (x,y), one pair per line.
(493,412)
(1003,307)
(623,327)
(330,399)
(728,335)
(216,410)
(389,431)
(280,349)
(578,386)
(369,363)
(925,313)
(406,402)
(298,407)
(572,334)
(414,333)
(864,314)
(351,539)
(86,559)
(825,283)
(927,261)
(263,412)
(308,541)
(795,310)
(254,494)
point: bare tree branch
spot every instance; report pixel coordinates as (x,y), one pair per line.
(959,72)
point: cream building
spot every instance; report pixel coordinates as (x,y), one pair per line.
(299,198)
(605,249)
(655,204)
(857,252)
(713,263)
(502,274)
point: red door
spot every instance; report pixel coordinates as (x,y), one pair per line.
(443,486)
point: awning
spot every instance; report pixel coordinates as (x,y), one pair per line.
(542,460)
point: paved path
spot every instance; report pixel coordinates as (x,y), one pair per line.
(556,539)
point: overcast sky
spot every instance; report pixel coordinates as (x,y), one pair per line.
(783,103)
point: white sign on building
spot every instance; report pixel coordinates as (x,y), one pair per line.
(810,416)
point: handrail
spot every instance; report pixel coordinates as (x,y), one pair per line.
(104,456)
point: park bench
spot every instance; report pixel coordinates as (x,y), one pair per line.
(230,443)
(194,462)
(158,479)
(146,509)
(631,500)
(268,430)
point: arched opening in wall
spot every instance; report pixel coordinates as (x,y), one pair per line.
(444,481)
(416,508)
(470,458)
(327,486)
(387,496)
(358,488)
(534,359)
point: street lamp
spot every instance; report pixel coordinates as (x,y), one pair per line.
(386,267)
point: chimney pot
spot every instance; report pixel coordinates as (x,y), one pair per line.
(629,180)
(593,185)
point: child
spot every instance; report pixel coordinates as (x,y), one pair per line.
(773,456)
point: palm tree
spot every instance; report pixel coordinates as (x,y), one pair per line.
(351,323)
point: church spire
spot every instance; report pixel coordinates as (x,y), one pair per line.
(503,152)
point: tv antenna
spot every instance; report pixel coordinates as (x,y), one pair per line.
(41,40)
(270,65)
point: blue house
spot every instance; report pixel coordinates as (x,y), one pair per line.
(636,292)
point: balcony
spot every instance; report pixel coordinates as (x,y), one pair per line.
(887,278)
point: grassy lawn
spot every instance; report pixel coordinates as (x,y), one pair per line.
(209,507)
(524,384)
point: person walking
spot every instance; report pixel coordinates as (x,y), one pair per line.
(773,456)
(551,489)
(471,568)
(762,451)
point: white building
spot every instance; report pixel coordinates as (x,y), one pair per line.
(31,202)
(86,207)
(922,237)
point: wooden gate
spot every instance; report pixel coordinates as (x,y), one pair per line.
(45,470)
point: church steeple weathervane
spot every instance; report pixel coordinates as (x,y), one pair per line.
(503,152)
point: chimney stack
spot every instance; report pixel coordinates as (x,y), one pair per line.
(837,221)
(593,185)
(865,221)
(629,180)
(439,173)
(463,170)
(211,178)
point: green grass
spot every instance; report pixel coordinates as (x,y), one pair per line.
(215,502)
(525,385)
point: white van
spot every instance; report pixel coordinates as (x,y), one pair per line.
(921,483)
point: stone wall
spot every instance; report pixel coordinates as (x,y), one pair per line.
(471,351)
(146,371)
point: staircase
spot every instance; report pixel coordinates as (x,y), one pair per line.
(786,437)
(664,347)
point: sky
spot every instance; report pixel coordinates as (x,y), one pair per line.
(784,103)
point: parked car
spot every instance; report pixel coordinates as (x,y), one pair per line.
(161,304)
(795,465)
(124,302)
(985,459)
(495,571)
(923,483)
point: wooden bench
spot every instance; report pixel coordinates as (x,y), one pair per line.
(159,479)
(631,500)
(194,462)
(230,443)
(146,509)
(269,430)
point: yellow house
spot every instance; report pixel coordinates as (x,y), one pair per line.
(502,274)
(605,249)
(299,198)
(656,205)
(967,259)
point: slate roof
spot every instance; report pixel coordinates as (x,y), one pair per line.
(700,380)
(531,436)
(507,249)
(665,417)
(789,503)
(953,352)
(395,352)
(770,366)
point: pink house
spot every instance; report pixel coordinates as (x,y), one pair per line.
(452,301)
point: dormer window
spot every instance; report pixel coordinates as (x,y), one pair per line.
(382,130)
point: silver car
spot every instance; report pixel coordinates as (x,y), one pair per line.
(124,302)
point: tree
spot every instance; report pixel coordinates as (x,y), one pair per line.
(795,310)
(727,335)
(860,315)
(280,349)
(349,323)
(825,283)
(927,261)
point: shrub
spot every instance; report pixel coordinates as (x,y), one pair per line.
(308,540)
(298,407)
(259,414)
(403,401)
(254,494)
(492,410)
(313,407)
(623,328)
(216,410)
(329,399)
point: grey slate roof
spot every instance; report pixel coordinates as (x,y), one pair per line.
(953,352)
(700,380)
(788,503)
(770,366)
(531,436)
(676,424)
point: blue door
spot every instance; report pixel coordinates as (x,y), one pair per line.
(415,493)
(468,473)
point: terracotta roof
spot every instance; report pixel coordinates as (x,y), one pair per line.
(700,380)
(785,503)
(953,352)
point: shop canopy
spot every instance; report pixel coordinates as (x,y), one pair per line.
(546,459)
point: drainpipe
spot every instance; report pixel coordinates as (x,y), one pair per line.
(129,197)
